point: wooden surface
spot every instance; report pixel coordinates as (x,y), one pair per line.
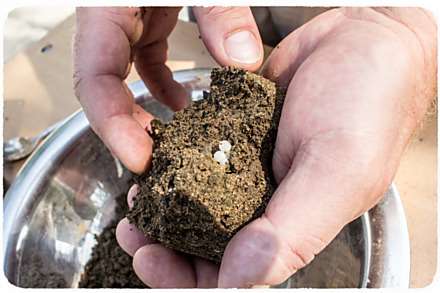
(416,181)
(38,91)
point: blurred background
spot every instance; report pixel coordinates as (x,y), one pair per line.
(27,25)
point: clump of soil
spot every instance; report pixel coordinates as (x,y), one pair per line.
(188,200)
(110,266)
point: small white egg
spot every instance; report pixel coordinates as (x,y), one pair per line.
(224,146)
(220,157)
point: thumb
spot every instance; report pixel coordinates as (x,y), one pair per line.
(304,214)
(231,35)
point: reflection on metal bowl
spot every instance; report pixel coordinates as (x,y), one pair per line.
(65,193)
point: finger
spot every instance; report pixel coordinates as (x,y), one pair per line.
(302,217)
(160,267)
(206,273)
(150,63)
(119,130)
(102,53)
(131,238)
(231,35)
(297,46)
(252,258)
(142,117)
(152,53)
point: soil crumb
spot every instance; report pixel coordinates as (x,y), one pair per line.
(211,169)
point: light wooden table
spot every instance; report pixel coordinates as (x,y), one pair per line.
(38,91)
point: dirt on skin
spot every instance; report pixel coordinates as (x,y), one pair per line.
(188,200)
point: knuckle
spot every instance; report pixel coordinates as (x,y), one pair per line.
(77,82)
(80,80)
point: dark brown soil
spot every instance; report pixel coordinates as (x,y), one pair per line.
(32,276)
(187,200)
(110,266)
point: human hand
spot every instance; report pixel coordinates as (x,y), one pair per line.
(109,39)
(359,83)
(358,86)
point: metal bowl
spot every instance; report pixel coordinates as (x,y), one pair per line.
(65,193)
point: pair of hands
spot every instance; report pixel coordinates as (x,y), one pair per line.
(359,81)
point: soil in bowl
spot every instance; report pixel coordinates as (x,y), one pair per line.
(211,169)
(34,275)
(109,265)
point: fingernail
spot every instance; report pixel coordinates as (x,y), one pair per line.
(242,47)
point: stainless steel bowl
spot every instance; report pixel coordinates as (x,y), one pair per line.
(65,193)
